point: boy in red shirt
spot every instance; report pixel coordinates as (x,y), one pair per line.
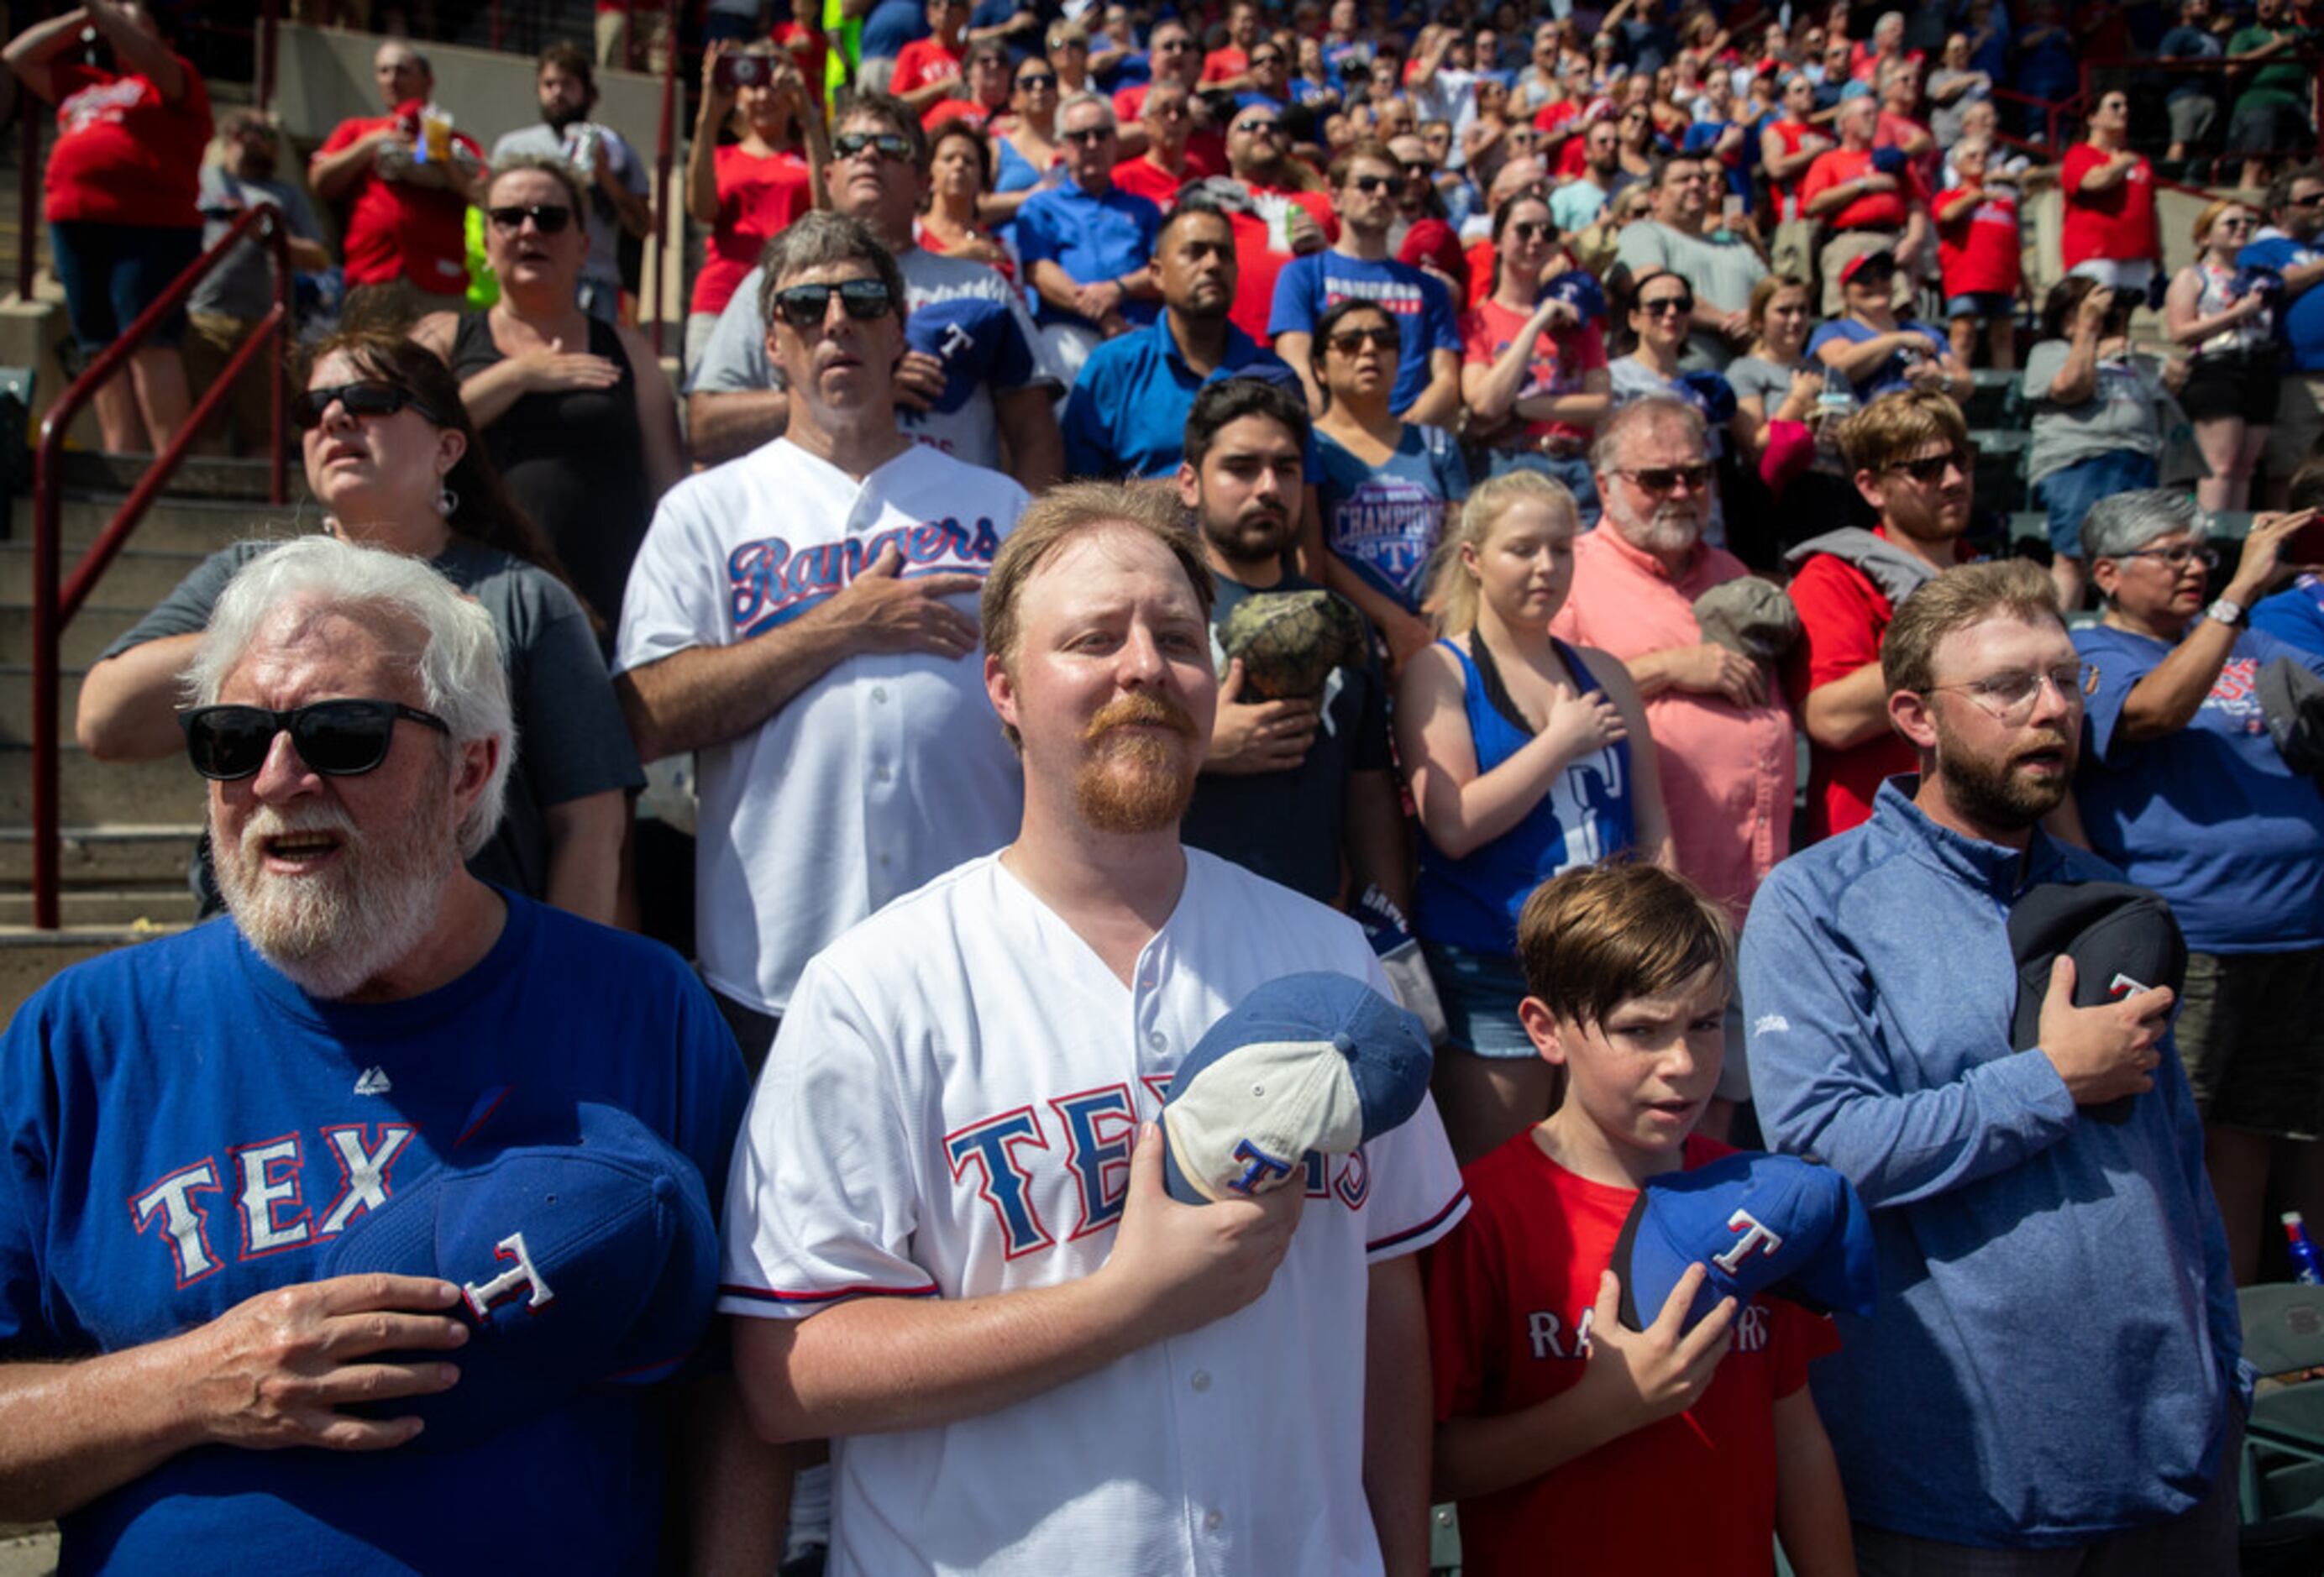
(1979,256)
(1558,1430)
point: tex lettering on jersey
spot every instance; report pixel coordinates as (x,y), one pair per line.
(770,582)
(1010,1162)
(263,1198)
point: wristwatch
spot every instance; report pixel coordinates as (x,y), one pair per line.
(2226,611)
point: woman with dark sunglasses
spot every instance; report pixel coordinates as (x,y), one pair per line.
(578,417)
(1026,144)
(1661,305)
(1535,374)
(1387,484)
(393,459)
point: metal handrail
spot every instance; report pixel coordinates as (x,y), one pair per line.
(52,608)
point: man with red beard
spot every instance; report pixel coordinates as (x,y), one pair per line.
(2015,1189)
(190,1125)
(948,1216)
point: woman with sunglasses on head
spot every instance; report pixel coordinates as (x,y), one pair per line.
(2183,787)
(1661,306)
(960,178)
(2228,327)
(1387,484)
(576,413)
(1535,376)
(746,189)
(1525,757)
(394,463)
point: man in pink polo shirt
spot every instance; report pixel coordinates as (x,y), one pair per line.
(1722,731)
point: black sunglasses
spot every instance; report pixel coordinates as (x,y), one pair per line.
(887,144)
(1661,305)
(1392,184)
(339,739)
(1258,128)
(806,306)
(369,399)
(1347,341)
(1660,479)
(548,218)
(1089,136)
(1532,230)
(1032,79)
(1930,470)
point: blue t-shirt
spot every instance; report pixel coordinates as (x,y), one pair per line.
(1127,413)
(2295,614)
(2189,43)
(1888,377)
(2301,318)
(181,1128)
(1309,286)
(1385,523)
(2209,816)
(1092,238)
(1585,816)
(893,24)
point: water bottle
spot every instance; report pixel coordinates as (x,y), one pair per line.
(2306,1265)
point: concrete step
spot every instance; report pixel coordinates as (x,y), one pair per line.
(99,624)
(29,958)
(139,793)
(17,702)
(92,471)
(109,905)
(195,525)
(140,577)
(124,855)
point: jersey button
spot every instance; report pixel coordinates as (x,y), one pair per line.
(1213,1519)
(1158,1041)
(879,692)
(1201,1380)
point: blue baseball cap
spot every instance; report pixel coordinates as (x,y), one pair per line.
(1580,289)
(973,336)
(1307,1062)
(1761,1223)
(583,1245)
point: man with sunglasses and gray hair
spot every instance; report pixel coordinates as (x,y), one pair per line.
(185,1375)
(803,619)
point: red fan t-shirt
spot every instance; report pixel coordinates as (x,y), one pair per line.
(2117,223)
(1257,260)
(1977,248)
(921,63)
(397,228)
(1560,358)
(1877,210)
(1225,65)
(1510,1293)
(757,197)
(1143,176)
(125,155)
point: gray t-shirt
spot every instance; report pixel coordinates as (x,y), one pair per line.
(571,741)
(243,286)
(2122,413)
(735,359)
(603,265)
(1757,376)
(1720,272)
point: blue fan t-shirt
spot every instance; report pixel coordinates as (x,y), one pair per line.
(1384,523)
(1309,286)
(181,1128)
(2208,816)
(1888,377)
(2302,316)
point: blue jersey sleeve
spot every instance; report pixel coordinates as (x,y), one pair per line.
(25,1151)
(2118,665)
(1441,324)
(1296,288)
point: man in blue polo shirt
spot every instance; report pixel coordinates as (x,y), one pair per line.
(1127,413)
(2295,211)
(1087,245)
(1366,182)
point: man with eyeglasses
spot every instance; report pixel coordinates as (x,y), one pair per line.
(1088,245)
(800,618)
(2184,790)
(1172,55)
(1720,272)
(976,382)
(1268,81)
(1155,174)
(197,1125)
(2295,211)
(1911,459)
(405,244)
(1366,182)
(1722,731)
(2022,1183)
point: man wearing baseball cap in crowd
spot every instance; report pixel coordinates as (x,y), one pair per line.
(948,1216)
(2040,1206)
(192,1129)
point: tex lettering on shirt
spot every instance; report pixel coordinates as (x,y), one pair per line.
(1401,296)
(267,1196)
(771,584)
(2235,696)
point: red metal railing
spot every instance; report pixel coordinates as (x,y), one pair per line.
(53,608)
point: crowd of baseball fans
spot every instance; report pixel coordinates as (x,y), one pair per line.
(1605,501)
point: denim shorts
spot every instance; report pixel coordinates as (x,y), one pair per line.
(1481,993)
(2068,494)
(1980,304)
(112,272)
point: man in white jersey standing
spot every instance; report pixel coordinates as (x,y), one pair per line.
(801,617)
(949,1233)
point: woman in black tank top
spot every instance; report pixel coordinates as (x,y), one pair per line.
(585,438)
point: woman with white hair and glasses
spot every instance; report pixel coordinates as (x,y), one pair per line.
(2182,786)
